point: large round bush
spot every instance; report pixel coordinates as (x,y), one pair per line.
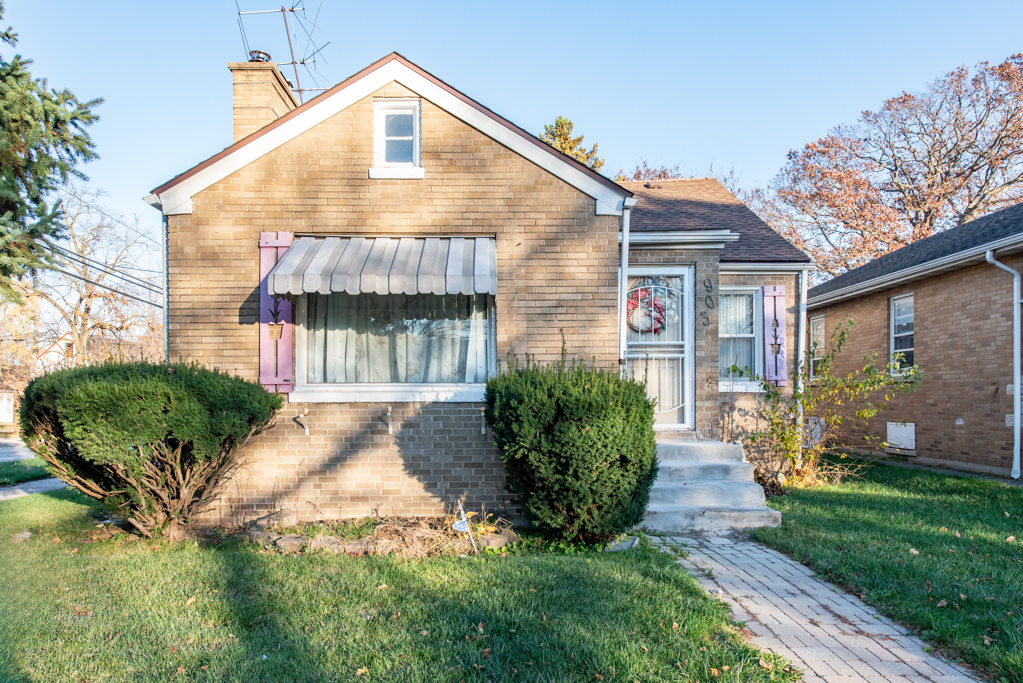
(578,448)
(158,442)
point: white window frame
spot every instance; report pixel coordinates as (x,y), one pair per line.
(438,392)
(813,322)
(381,168)
(902,372)
(745,385)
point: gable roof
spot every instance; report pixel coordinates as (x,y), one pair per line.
(948,250)
(704,204)
(174,196)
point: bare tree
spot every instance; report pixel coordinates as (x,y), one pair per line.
(922,163)
(98,287)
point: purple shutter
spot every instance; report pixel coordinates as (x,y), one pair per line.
(274,354)
(775,368)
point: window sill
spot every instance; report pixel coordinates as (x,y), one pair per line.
(398,393)
(398,172)
(726,387)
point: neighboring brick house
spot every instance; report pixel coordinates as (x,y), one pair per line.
(948,310)
(416,240)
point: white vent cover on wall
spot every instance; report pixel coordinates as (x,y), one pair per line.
(902,436)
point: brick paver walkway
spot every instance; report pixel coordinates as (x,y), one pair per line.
(831,635)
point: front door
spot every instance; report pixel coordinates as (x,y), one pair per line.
(658,349)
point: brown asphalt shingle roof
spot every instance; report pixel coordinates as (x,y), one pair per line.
(704,204)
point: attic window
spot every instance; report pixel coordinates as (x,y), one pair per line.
(396,139)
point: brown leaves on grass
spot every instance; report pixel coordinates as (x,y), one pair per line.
(766,665)
(942,603)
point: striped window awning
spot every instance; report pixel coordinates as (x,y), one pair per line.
(387,265)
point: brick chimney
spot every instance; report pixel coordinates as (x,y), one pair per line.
(261,96)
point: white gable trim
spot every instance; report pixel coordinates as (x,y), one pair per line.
(178,198)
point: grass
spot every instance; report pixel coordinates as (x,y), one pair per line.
(963,585)
(130,610)
(20,471)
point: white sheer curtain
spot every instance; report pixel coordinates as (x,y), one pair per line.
(737,336)
(397,338)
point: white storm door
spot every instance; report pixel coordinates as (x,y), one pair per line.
(659,330)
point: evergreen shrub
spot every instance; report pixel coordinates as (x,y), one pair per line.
(578,448)
(155,442)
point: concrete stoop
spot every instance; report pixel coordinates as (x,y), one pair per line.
(705,486)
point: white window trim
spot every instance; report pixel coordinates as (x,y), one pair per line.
(382,169)
(901,373)
(809,346)
(746,386)
(439,392)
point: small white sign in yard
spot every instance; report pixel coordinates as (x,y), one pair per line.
(6,407)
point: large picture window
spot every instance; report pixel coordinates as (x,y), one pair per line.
(738,338)
(397,338)
(902,338)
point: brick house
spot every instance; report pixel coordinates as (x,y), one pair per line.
(378,252)
(942,304)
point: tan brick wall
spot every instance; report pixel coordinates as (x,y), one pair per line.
(260,96)
(557,265)
(963,345)
(741,413)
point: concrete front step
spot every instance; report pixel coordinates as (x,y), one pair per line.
(685,472)
(698,451)
(682,518)
(746,494)
(705,486)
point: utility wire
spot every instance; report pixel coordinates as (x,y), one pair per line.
(128,282)
(107,268)
(115,291)
(113,218)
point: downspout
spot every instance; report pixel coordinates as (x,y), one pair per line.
(801,341)
(623,281)
(990,256)
(165,225)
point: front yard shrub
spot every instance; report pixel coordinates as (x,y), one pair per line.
(578,448)
(156,442)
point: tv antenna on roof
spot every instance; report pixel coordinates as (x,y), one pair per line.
(299,19)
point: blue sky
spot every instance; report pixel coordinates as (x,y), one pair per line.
(733,84)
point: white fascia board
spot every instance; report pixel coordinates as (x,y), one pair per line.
(177,199)
(919,272)
(688,239)
(754,268)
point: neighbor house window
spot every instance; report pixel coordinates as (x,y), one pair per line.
(739,338)
(902,333)
(396,144)
(817,340)
(398,338)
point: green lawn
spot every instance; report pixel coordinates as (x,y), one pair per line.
(123,610)
(20,471)
(962,588)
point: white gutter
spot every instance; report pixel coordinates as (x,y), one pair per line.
(990,256)
(623,280)
(694,239)
(744,267)
(950,262)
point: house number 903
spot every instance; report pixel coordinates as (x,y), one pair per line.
(708,301)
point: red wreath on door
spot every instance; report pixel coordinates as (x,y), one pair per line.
(651,308)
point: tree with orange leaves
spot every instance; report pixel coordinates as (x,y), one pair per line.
(920,164)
